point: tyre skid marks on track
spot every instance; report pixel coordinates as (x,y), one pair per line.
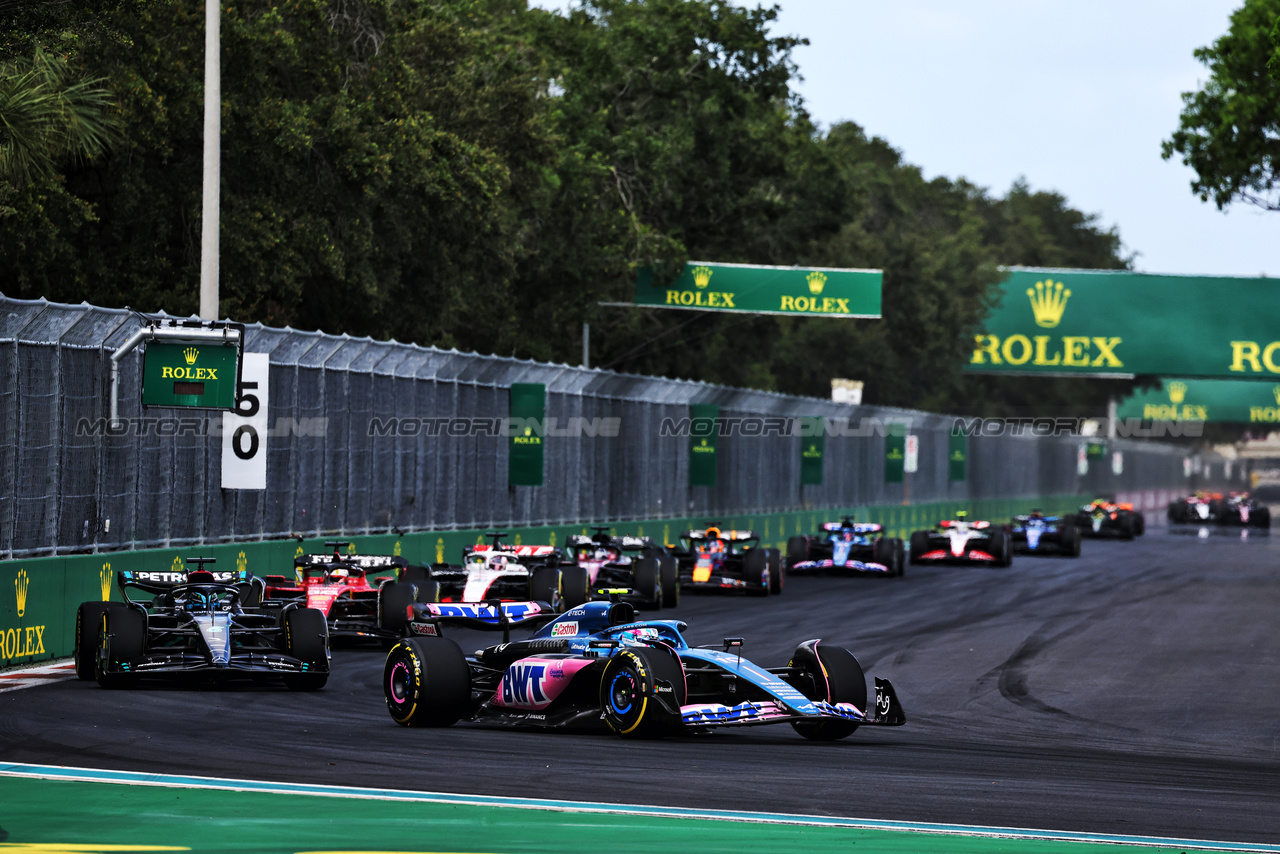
(65,773)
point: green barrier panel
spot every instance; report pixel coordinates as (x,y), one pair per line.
(39,597)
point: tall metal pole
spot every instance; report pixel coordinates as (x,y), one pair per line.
(212,157)
(586,345)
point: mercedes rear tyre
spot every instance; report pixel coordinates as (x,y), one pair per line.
(641,693)
(122,639)
(670,571)
(88,627)
(833,675)
(395,598)
(755,572)
(306,638)
(646,580)
(777,571)
(427,682)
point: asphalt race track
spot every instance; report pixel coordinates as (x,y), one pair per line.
(1135,690)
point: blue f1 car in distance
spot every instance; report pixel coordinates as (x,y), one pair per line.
(1039,534)
(848,545)
(595,666)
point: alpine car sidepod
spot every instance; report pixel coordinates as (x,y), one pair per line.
(1038,534)
(1102,517)
(596,667)
(196,627)
(637,563)
(850,546)
(961,541)
(712,559)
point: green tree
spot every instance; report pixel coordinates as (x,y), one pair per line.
(1228,130)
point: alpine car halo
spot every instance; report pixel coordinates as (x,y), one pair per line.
(847,546)
(595,667)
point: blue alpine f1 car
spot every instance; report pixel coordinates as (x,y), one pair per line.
(848,546)
(595,666)
(1038,534)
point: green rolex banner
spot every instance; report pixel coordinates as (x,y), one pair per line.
(703,436)
(813,439)
(528,407)
(895,453)
(1233,401)
(194,375)
(754,289)
(957,457)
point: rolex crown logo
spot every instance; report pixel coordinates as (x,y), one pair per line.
(104,581)
(1275,390)
(191,354)
(1177,392)
(176,566)
(702,277)
(817,281)
(20,584)
(1048,301)
(242,562)
(396,550)
(440,550)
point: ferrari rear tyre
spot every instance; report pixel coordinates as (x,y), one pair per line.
(122,640)
(836,677)
(427,682)
(919,545)
(394,601)
(641,693)
(575,584)
(755,571)
(646,580)
(546,585)
(797,550)
(777,571)
(670,571)
(306,638)
(88,627)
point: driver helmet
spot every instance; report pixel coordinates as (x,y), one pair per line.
(602,554)
(715,546)
(339,572)
(847,535)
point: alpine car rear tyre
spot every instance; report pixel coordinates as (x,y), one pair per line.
(919,545)
(546,585)
(838,678)
(394,600)
(306,638)
(88,626)
(797,550)
(670,571)
(777,571)
(883,552)
(755,571)
(646,580)
(641,693)
(122,639)
(575,583)
(427,682)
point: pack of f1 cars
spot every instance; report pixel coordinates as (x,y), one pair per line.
(714,559)
(637,563)
(847,546)
(596,667)
(1103,517)
(960,541)
(1236,508)
(511,573)
(340,587)
(1036,533)
(195,626)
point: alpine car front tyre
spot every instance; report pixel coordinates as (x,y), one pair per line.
(641,693)
(427,682)
(797,550)
(836,677)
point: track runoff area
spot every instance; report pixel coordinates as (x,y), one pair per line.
(1125,697)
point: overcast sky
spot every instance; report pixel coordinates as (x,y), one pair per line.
(1075,96)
